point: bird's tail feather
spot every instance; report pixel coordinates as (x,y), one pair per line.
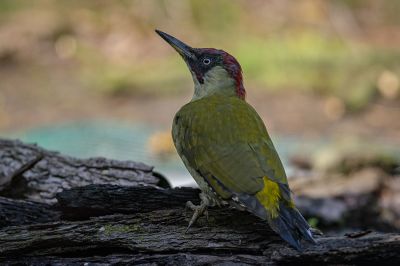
(291,226)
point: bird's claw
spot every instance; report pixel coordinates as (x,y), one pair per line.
(198,211)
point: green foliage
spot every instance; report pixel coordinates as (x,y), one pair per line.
(7,6)
(309,61)
(208,14)
(294,61)
(150,79)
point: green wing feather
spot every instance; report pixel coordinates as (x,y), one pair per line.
(225,140)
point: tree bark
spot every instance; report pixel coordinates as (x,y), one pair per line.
(95,200)
(18,212)
(30,172)
(230,236)
(140,222)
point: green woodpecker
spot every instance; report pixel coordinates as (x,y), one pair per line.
(226,148)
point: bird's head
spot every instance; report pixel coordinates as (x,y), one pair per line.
(214,71)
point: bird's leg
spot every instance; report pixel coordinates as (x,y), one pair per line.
(198,209)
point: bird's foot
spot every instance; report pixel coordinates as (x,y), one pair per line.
(198,210)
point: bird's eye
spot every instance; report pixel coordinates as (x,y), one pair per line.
(206,61)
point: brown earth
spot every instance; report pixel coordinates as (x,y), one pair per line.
(30,97)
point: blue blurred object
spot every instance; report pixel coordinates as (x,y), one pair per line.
(116,140)
(121,141)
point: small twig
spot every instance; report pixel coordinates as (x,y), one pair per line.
(20,171)
(16,181)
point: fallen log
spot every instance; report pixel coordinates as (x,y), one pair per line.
(110,223)
(96,200)
(355,211)
(231,236)
(18,212)
(30,172)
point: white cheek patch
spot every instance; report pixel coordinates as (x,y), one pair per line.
(216,80)
(216,73)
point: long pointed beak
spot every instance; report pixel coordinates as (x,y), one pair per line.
(183,49)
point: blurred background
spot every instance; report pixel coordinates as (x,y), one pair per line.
(91,78)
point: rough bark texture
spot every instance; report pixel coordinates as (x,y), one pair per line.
(17,212)
(357,211)
(96,200)
(150,236)
(154,234)
(114,224)
(30,172)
